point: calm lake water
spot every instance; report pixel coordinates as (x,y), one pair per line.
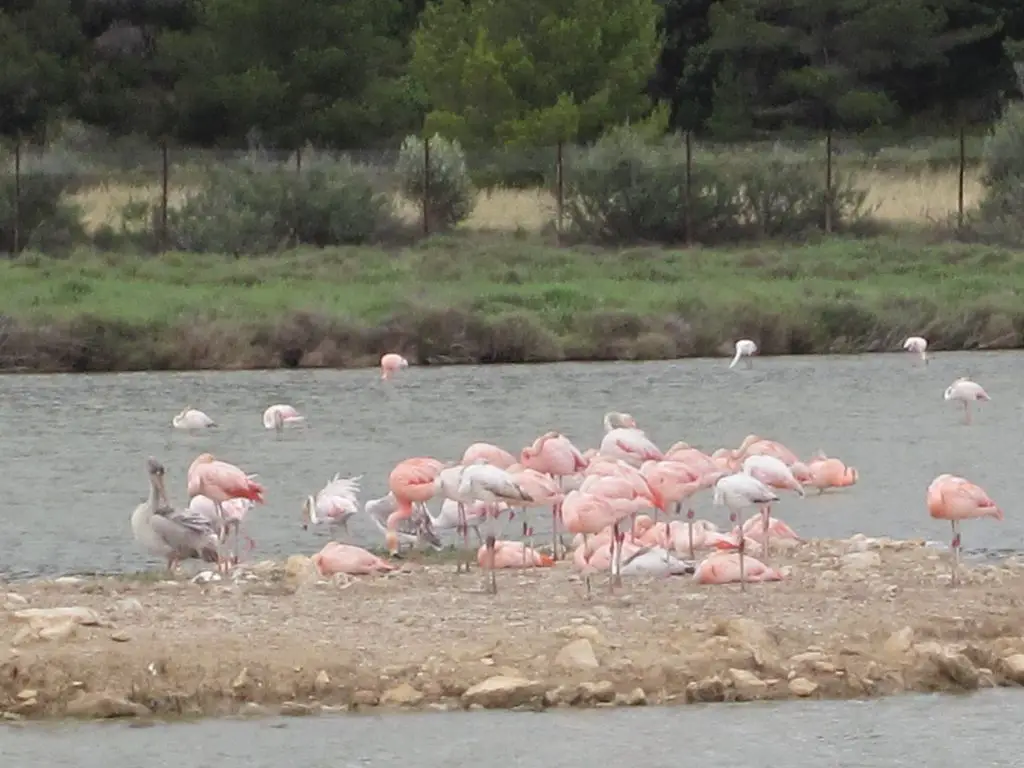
(73,446)
(985,729)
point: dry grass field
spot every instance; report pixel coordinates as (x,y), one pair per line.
(893,197)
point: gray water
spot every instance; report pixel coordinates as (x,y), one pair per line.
(984,729)
(73,445)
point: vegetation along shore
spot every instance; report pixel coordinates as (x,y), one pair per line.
(476,299)
(852,618)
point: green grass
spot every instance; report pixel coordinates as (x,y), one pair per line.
(793,298)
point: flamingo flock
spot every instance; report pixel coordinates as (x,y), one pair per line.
(629,506)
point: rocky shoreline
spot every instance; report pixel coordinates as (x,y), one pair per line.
(854,618)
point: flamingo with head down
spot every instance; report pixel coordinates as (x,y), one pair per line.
(411,482)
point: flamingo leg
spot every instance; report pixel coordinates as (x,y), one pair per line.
(618,538)
(955,580)
(586,568)
(733,519)
(462,527)
(967,411)
(554,531)
(766,513)
(689,524)
(491,584)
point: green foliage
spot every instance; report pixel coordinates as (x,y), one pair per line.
(449,192)
(46,221)
(255,209)
(39,43)
(998,217)
(627,189)
(534,72)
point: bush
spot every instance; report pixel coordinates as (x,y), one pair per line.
(450,195)
(999,216)
(47,221)
(249,209)
(626,188)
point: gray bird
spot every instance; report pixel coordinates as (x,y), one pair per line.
(173,534)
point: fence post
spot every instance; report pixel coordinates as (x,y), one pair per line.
(164,182)
(298,160)
(828,181)
(426,185)
(688,212)
(960,181)
(559,191)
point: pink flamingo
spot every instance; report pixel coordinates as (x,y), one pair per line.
(489,454)
(967,392)
(824,473)
(729,567)
(512,554)
(630,445)
(954,498)
(390,364)
(775,474)
(349,559)
(412,482)
(755,530)
(234,511)
(590,514)
(277,417)
(220,481)
(541,488)
(753,445)
(676,483)
(554,454)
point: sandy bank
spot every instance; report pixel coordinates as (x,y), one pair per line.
(855,618)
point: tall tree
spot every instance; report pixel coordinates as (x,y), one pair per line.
(824,63)
(298,70)
(686,69)
(39,45)
(533,72)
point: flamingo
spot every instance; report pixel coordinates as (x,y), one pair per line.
(541,488)
(554,454)
(390,364)
(450,518)
(234,512)
(277,417)
(511,554)
(336,502)
(489,454)
(192,419)
(482,482)
(630,445)
(348,559)
(589,514)
(739,491)
(966,391)
(220,481)
(676,483)
(753,445)
(415,530)
(775,474)
(917,345)
(955,499)
(824,473)
(447,485)
(729,567)
(744,348)
(412,482)
(615,420)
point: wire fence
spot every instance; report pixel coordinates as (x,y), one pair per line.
(117,186)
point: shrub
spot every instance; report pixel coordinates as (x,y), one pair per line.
(47,221)
(450,194)
(626,188)
(249,209)
(999,218)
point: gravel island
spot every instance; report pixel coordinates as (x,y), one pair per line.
(853,618)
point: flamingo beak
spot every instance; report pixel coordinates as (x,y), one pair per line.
(657,499)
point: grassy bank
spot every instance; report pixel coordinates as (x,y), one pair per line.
(500,299)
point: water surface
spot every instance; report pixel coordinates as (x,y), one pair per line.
(73,445)
(985,729)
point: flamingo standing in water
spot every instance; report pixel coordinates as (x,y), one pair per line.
(220,481)
(192,420)
(390,364)
(277,417)
(918,345)
(412,482)
(737,492)
(744,348)
(554,454)
(955,499)
(966,391)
